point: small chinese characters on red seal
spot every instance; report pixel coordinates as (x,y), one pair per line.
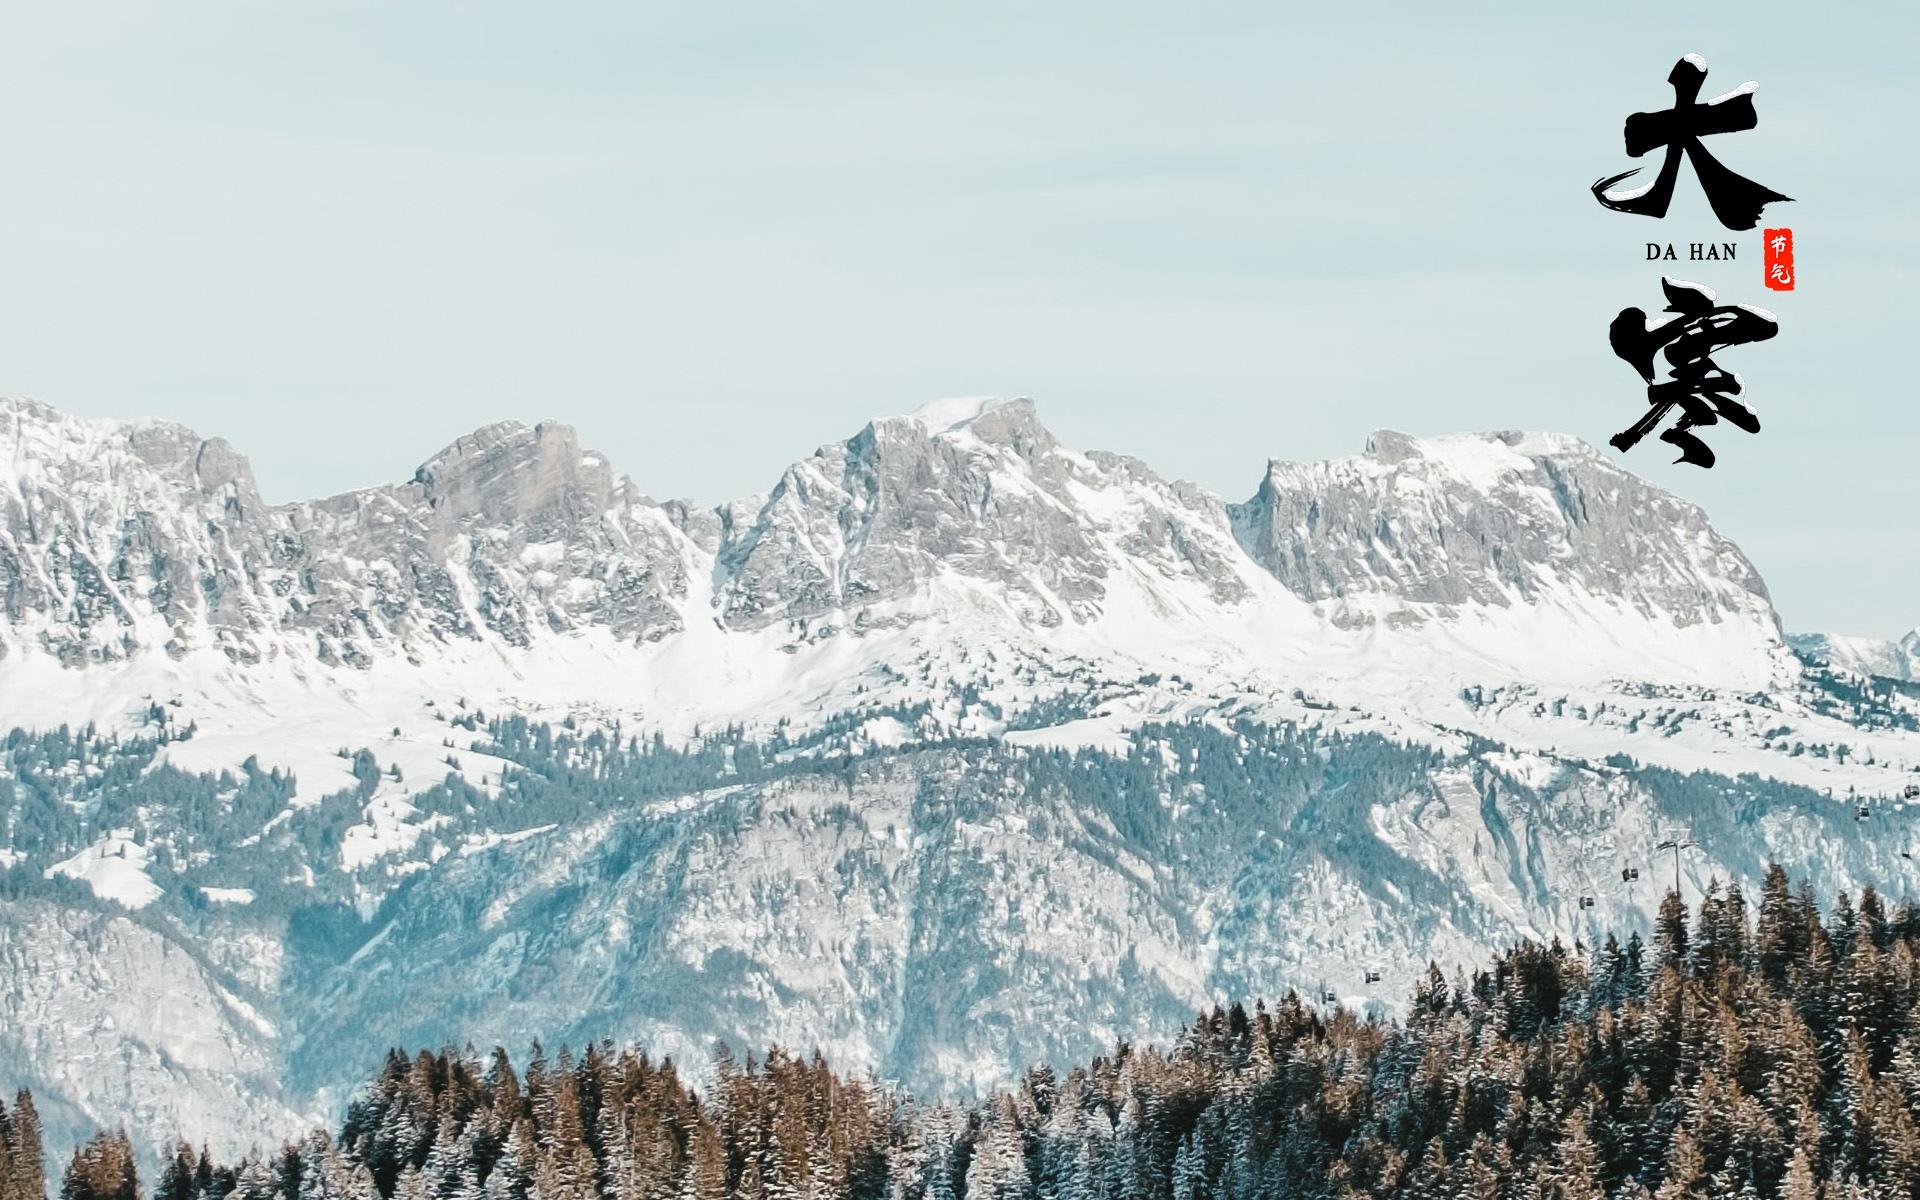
(1777,256)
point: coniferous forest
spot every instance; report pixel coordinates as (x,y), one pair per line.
(1756,1048)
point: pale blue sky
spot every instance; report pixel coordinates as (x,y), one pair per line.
(716,236)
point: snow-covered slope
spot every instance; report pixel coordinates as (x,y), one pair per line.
(520,567)
(971,747)
(1864,656)
(948,917)
(116,1022)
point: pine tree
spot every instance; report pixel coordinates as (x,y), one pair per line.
(1575,1171)
(1433,1177)
(1854,1110)
(1082,1178)
(1189,1173)
(1486,1170)
(102,1169)
(177,1176)
(24,1149)
(1779,941)
(706,1177)
(512,1175)
(466,1185)
(413,1185)
(257,1180)
(1670,933)
(1896,1150)
(937,1168)
(357,1182)
(1240,1178)
(999,1168)
(1800,1182)
(1685,1171)
(289,1168)
(8,1179)
(448,1156)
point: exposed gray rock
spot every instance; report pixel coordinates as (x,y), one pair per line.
(117,537)
(1499,519)
(992,499)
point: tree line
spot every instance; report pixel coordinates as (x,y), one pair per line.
(1750,1049)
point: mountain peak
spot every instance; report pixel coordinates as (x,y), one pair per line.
(1889,659)
(954,423)
(49,432)
(963,505)
(509,467)
(1408,522)
(959,412)
(488,442)
(1480,460)
(1392,446)
(86,454)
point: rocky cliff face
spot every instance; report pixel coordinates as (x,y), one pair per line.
(986,498)
(1413,530)
(96,1005)
(950,918)
(507,533)
(118,540)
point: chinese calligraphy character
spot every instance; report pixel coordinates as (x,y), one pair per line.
(1702,391)
(1736,200)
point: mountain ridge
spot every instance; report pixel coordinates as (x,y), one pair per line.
(955,750)
(857,523)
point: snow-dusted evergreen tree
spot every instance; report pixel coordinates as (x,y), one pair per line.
(177,1176)
(512,1174)
(1773,1057)
(22,1149)
(999,1167)
(256,1179)
(706,1174)
(102,1169)
(413,1184)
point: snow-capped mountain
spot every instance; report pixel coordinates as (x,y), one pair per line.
(147,551)
(124,540)
(1863,656)
(1418,530)
(956,749)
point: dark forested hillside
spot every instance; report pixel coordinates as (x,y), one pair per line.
(1756,1049)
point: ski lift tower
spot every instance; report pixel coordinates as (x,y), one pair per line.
(1676,843)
